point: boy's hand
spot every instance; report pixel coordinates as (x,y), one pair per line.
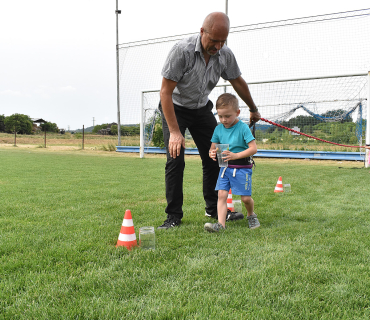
(228,155)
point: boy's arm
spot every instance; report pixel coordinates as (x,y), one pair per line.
(252,149)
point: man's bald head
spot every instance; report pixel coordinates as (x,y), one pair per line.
(214,33)
(216,21)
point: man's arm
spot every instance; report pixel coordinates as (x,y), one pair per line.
(176,138)
(241,87)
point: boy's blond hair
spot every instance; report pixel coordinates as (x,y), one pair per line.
(227,99)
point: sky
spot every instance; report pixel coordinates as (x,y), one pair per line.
(58,58)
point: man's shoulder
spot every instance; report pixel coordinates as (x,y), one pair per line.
(188,43)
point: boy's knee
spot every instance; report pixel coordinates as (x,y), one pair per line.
(223,194)
(247,199)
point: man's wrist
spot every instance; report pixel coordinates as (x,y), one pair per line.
(253,110)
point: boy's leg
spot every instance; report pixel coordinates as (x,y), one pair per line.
(253,222)
(241,185)
(248,203)
(222,206)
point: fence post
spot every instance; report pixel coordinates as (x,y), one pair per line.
(15,136)
(367,141)
(83,136)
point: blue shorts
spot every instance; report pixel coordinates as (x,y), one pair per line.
(240,185)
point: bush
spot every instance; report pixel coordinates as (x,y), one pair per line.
(353,141)
(157,138)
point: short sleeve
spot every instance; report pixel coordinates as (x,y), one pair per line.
(248,136)
(173,68)
(231,70)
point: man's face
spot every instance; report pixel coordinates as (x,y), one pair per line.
(213,41)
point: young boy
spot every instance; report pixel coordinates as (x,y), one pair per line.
(238,174)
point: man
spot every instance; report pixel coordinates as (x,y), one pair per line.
(191,71)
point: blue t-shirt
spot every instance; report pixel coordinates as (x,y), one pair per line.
(238,136)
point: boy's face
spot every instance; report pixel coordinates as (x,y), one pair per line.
(227,116)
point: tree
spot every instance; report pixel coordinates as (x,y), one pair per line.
(338,114)
(49,127)
(99,127)
(2,124)
(130,130)
(114,130)
(20,122)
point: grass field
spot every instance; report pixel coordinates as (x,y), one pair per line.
(61,213)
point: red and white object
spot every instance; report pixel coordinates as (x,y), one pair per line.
(230,205)
(127,236)
(279,185)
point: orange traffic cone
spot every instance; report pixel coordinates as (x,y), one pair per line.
(127,237)
(230,204)
(279,186)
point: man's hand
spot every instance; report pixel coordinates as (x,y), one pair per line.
(212,154)
(254,116)
(174,145)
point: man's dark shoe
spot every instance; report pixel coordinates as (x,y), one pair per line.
(170,223)
(210,216)
(232,216)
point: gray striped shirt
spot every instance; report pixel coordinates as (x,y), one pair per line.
(185,65)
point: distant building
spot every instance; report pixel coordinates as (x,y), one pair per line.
(36,122)
(295,129)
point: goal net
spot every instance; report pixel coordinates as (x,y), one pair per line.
(328,108)
(306,51)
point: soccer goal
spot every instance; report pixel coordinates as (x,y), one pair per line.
(323,113)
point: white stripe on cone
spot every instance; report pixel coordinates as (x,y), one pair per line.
(126,237)
(127,223)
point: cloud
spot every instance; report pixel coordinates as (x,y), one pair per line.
(48,91)
(67,89)
(9,92)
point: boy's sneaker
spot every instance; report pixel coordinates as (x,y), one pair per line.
(170,222)
(253,221)
(213,227)
(231,216)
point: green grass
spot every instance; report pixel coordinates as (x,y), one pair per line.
(61,213)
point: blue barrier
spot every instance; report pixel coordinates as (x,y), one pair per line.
(290,154)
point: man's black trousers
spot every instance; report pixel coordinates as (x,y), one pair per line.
(201,124)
